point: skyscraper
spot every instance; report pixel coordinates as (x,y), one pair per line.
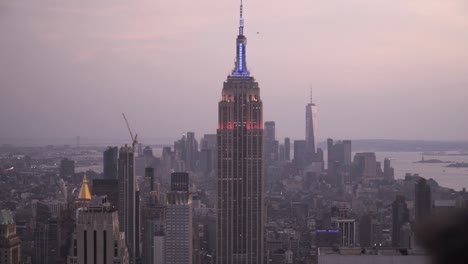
(127,202)
(110,158)
(400,216)
(97,238)
(310,129)
(287,148)
(271,144)
(240,165)
(178,241)
(422,200)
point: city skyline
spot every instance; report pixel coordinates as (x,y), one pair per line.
(412,71)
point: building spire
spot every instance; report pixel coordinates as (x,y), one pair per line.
(241,20)
(311,90)
(240,69)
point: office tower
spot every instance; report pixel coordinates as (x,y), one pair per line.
(178,240)
(311,129)
(109,188)
(287,148)
(110,158)
(339,152)
(370,230)
(389,172)
(97,238)
(127,208)
(366,164)
(400,216)
(67,168)
(422,200)
(240,209)
(148,151)
(10,244)
(347,228)
(300,153)
(153,220)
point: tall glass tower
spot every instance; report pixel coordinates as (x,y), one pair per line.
(240,165)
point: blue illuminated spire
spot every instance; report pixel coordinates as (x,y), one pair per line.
(241,65)
(241,20)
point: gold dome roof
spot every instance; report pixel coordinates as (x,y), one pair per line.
(85,194)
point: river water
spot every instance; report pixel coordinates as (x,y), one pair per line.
(404,162)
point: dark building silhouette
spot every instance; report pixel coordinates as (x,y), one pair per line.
(110,158)
(422,200)
(389,172)
(339,152)
(67,168)
(149,175)
(109,188)
(271,144)
(179,181)
(400,216)
(240,203)
(287,148)
(300,153)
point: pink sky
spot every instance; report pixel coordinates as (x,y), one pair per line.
(380,69)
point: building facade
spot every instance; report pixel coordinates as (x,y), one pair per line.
(179,230)
(97,239)
(10,244)
(240,208)
(110,161)
(127,208)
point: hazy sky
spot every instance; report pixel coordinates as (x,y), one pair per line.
(395,69)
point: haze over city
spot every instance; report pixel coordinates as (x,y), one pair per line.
(379,69)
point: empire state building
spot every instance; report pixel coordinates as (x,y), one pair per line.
(240,165)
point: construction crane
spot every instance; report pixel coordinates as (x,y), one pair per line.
(134,139)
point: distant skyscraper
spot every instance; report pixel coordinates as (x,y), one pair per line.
(300,153)
(67,168)
(271,145)
(127,200)
(10,244)
(153,220)
(400,216)
(240,166)
(110,157)
(97,238)
(366,163)
(179,230)
(191,152)
(389,172)
(287,148)
(422,200)
(311,129)
(339,152)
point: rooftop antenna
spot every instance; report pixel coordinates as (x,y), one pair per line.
(241,20)
(311,90)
